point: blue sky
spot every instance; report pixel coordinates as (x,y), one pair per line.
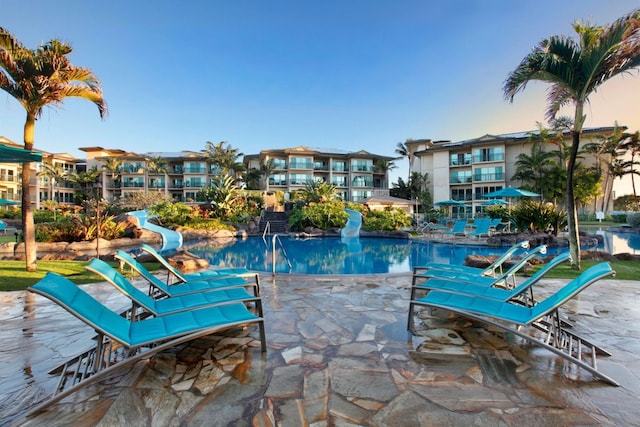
(349,74)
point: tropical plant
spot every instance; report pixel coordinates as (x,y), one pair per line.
(113,166)
(388,219)
(631,143)
(323,216)
(576,69)
(172,213)
(37,78)
(266,169)
(223,196)
(317,192)
(56,174)
(537,217)
(84,184)
(403,149)
(157,166)
(224,157)
(382,166)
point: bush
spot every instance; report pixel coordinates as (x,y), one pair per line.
(324,216)
(389,219)
(538,216)
(633,219)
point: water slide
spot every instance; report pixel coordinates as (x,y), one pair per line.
(171,239)
(352,229)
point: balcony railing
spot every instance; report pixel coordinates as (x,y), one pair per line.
(489,177)
(497,157)
(362,168)
(195,169)
(8,178)
(300,165)
(340,168)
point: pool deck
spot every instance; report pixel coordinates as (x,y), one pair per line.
(338,354)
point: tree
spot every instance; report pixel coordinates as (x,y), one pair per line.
(84,184)
(158,166)
(576,69)
(317,192)
(403,149)
(55,174)
(531,169)
(36,79)
(383,166)
(222,156)
(266,169)
(113,166)
(606,150)
(631,143)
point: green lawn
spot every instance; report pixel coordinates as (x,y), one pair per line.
(625,270)
(13,276)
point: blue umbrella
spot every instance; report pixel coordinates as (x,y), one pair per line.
(449,203)
(511,192)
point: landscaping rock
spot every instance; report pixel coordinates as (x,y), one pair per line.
(185,262)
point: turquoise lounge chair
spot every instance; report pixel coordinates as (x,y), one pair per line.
(523,293)
(490,271)
(544,316)
(482,226)
(200,275)
(505,280)
(121,341)
(157,287)
(459,228)
(162,307)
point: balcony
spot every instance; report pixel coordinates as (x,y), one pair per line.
(300,165)
(499,176)
(362,168)
(195,169)
(482,158)
(8,178)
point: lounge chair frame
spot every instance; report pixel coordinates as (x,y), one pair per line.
(556,336)
(184,278)
(111,354)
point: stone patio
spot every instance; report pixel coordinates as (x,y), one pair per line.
(338,354)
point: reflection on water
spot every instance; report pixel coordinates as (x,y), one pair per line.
(336,256)
(363,256)
(617,243)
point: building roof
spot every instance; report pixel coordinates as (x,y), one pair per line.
(505,137)
(386,200)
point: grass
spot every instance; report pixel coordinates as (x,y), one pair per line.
(13,276)
(625,270)
(6,238)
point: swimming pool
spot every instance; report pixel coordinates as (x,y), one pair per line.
(363,255)
(335,255)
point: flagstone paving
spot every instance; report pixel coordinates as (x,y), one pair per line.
(338,354)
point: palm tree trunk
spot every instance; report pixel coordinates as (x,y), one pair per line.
(28,227)
(572,212)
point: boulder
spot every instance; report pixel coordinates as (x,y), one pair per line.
(185,262)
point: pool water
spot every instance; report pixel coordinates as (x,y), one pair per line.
(361,255)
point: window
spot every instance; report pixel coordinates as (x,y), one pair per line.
(339,166)
(358,195)
(339,181)
(129,182)
(195,183)
(461,194)
(460,177)
(362,181)
(300,179)
(132,167)
(358,165)
(279,164)
(481,191)
(493,154)
(300,163)
(278,179)
(459,159)
(488,174)
(194,167)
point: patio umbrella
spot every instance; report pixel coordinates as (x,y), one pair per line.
(7,202)
(511,192)
(449,203)
(18,155)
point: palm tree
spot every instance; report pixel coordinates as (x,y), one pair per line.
(224,157)
(55,174)
(576,69)
(84,183)
(266,169)
(113,166)
(383,167)
(606,150)
(631,143)
(36,79)
(318,192)
(158,166)
(531,169)
(403,149)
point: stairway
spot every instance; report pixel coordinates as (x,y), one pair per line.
(277,221)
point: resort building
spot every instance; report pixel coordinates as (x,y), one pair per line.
(357,175)
(43,187)
(467,170)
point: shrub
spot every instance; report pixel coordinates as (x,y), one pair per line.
(538,216)
(633,219)
(389,219)
(319,215)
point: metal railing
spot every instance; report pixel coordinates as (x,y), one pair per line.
(275,239)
